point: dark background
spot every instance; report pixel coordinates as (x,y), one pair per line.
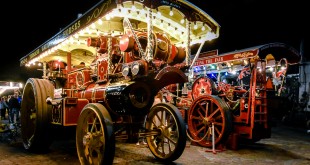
(244,23)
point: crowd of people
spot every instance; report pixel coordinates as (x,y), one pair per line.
(10,107)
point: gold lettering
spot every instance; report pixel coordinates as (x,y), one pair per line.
(44,47)
(24,61)
(72,28)
(243,54)
(33,54)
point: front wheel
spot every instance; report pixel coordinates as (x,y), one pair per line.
(35,115)
(168,138)
(95,140)
(205,112)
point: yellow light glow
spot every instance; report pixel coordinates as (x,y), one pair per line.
(182,21)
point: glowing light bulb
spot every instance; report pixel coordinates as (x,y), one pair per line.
(195,26)
(161,24)
(107,17)
(182,21)
(100,22)
(271,69)
(158,14)
(133,8)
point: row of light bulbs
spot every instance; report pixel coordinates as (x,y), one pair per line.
(230,69)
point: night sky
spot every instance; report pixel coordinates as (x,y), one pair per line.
(244,23)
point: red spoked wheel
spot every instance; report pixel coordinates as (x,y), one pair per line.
(202,86)
(205,111)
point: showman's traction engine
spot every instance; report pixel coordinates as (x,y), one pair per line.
(102,72)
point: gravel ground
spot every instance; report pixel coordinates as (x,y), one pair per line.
(287,146)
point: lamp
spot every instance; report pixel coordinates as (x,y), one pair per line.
(195,25)
(182,21)
(171,12)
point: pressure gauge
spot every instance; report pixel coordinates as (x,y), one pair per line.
(79,79)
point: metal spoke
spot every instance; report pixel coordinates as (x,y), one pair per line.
(214,112)
(201,129)
(171,140)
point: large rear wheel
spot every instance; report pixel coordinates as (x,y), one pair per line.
(95,139)
(35,114)
(167,131)
(207,111)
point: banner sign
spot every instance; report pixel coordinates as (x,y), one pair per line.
(227,57)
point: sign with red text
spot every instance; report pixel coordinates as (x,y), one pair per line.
(227,57)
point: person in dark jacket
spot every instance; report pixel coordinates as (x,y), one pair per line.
(14,105)
(3,106)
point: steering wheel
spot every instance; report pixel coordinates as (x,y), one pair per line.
(202,86)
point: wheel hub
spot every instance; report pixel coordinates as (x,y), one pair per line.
(87,138)
(164,131)
(206,121)
(202,91)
